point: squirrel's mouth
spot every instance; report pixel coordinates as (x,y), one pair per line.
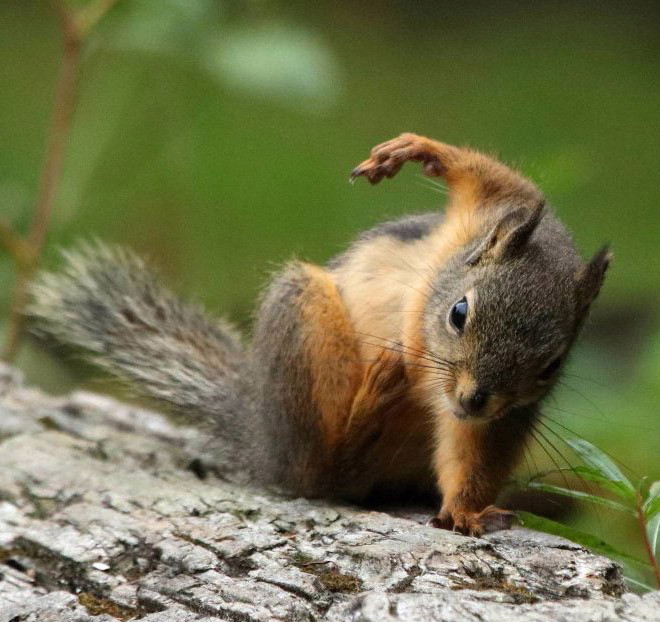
(483,409)
(455,408)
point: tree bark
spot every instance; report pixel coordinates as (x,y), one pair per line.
(107,514)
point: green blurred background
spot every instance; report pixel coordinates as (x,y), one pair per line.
(216,137)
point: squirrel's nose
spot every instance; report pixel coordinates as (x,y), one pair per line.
(473,403)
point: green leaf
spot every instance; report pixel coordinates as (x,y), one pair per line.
(603,464)
(278,61)
(620,488)
(167,27)
(593,475)
(639,585)
(584,496)
(282,61)
(652,503)
(653,531)
(532,521)
(643,487)
(651,508)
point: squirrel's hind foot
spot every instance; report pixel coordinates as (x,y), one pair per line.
(475,523)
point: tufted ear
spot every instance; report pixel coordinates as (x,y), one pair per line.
(508,236)
(590,279)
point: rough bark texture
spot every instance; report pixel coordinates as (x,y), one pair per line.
(104,516)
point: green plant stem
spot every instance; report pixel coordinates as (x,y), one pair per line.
(27,252)
(65,100)
(51,174)
(17,247)
(647,542)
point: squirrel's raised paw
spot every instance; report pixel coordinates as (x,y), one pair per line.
(475,523)
(387,158)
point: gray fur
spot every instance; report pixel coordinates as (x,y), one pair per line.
(283,383)
(406,229)
(527,308)
(509,236)
(107,302)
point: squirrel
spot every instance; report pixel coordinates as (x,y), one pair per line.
(414,362)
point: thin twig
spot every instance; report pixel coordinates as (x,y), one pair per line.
(65,101)
(51,174)
(16,246)
(27,252)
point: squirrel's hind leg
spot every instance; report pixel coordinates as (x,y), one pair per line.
(337,420)
(307,361)
(324,405)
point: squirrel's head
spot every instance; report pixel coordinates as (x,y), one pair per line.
(505,312)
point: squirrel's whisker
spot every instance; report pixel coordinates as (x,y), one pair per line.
(432,368)
(424,354)
(436,365)
(536,431)
(594,418)
(597,408)
(432,189)
(587,485)
(598,383)
(530,453)
(576,435)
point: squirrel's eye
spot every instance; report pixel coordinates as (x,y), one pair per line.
(550,369)
(458,314)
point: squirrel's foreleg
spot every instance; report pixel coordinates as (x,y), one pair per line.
(472,462)
(474,179)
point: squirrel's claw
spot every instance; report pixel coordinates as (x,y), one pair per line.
(442,521)
(474,523)
(374,172)
(495,519)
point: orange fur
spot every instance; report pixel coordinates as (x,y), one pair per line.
(359,399)
(332,352)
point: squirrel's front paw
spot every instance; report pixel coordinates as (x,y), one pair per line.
(387,158)
(474,523)
(384,382)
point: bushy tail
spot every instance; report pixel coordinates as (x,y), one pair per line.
(109,303)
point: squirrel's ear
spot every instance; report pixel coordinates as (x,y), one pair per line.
(590,279)
(509,235)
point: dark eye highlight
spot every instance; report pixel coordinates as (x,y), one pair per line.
(550,370)
(458,314)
